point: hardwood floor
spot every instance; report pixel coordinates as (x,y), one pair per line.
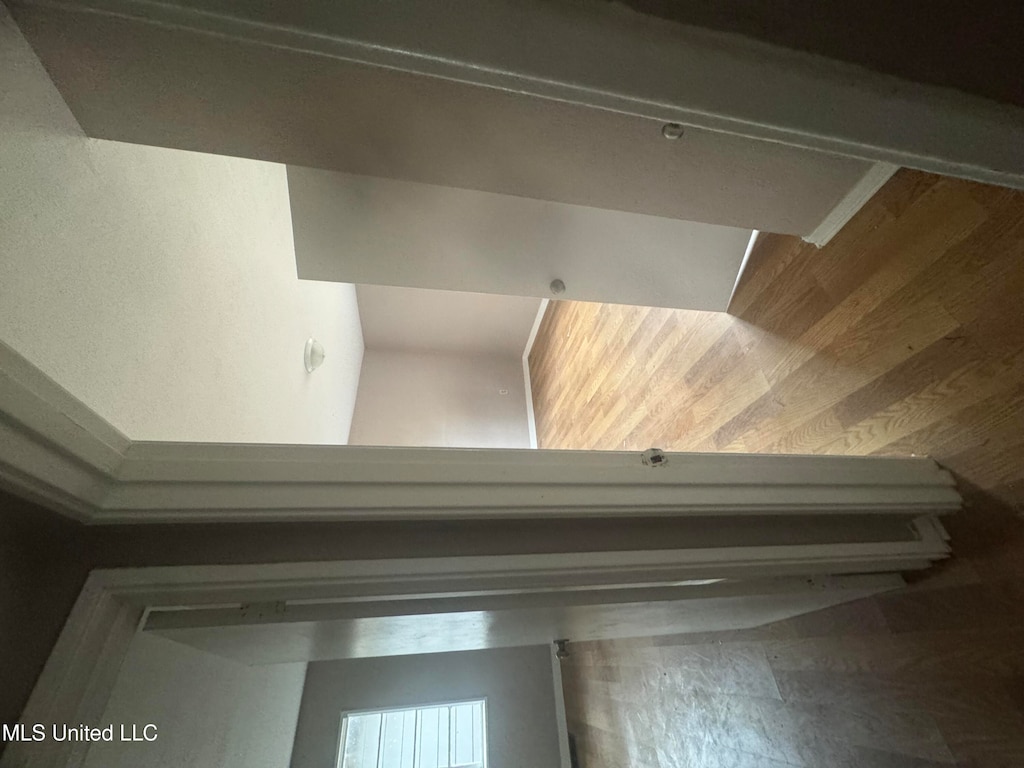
(836,689)
(904,335)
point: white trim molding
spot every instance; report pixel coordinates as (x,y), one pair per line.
(743,266)
(373,588)
(56,450)
(531,417)
(608,57)
(564,753)
(853,201)
(53,448)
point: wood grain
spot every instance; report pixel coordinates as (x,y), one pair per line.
(905,335)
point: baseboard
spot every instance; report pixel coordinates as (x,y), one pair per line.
(853,201)
(531,418)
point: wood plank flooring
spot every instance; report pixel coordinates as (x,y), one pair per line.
(933,676)
(904,335)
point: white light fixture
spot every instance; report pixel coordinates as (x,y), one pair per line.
(672,131)
(314,355)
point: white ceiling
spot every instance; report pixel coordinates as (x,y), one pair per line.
(152,83)
(445,321)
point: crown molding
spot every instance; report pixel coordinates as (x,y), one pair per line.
(55,449)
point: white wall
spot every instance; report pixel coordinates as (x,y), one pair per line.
(363,229)
(521,721)
(159,286)
(435,399)
(447,321)
(209,711)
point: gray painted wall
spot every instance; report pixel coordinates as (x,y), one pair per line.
(517,682)
(42,569)
(434,399)
(209,711)
(938,43)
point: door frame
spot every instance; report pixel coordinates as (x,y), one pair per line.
(115,604)
(57,451)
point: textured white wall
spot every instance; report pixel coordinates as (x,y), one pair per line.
(436,399)
(209,711)
(159,286)
(522,731)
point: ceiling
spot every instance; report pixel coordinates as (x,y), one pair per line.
(132,80)
(402,178)
(444,321)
